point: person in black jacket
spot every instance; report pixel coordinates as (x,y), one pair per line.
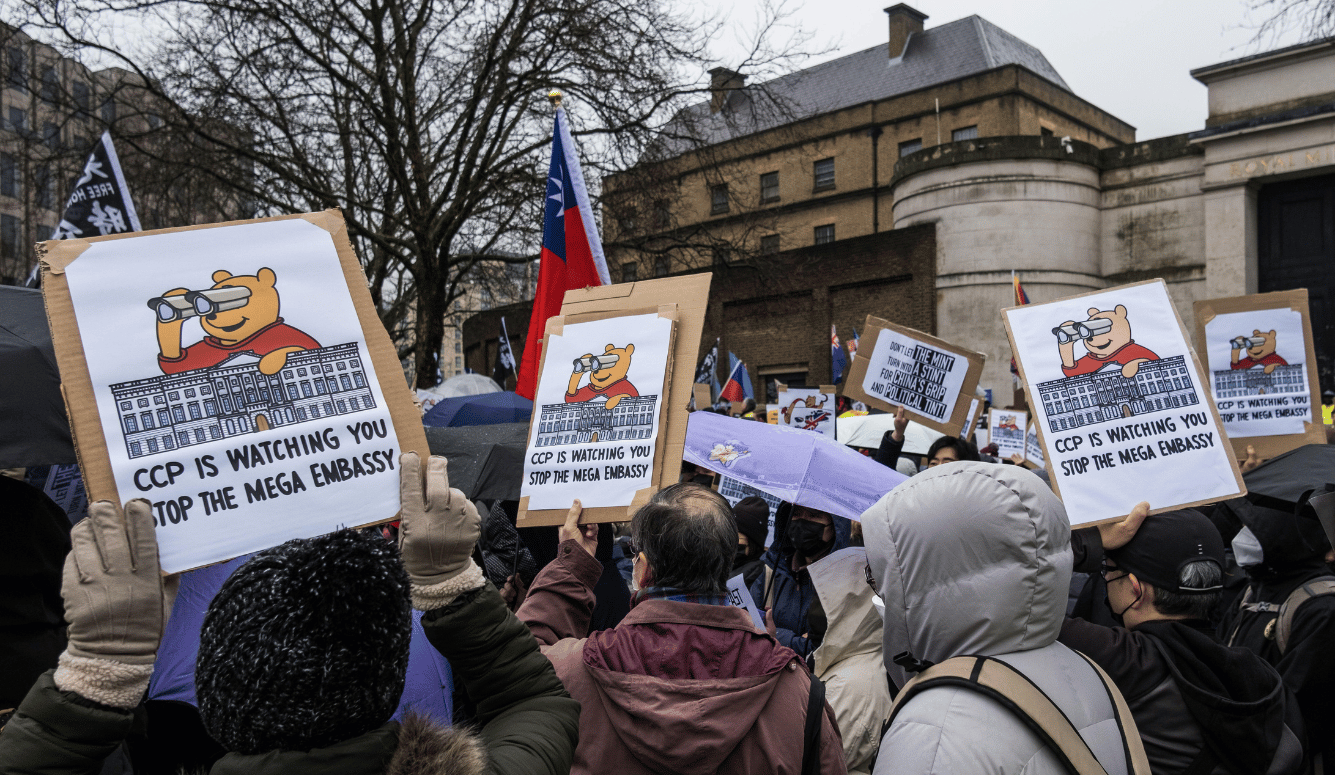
(1200,706)
(1282,550)
(752,513)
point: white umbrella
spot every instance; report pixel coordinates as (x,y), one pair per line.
(466,385)
(867,430)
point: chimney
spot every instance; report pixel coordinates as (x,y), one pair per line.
(904,21)
(722,82)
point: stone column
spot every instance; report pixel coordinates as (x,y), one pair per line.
(1230,241)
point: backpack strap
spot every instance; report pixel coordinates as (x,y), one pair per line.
(1243,602)
(811,735)
(1011,689)
(1137,762)
(1314,588)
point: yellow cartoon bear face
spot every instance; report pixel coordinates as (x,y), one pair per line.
(260,310)
(1266,347)
(602,378)
(1119,336)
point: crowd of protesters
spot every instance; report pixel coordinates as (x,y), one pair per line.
(960,626)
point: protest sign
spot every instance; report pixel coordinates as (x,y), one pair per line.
(700,398)
(810,409)
(929,377)
(1119,400)
(740,596)
(584,441)
(244,428)
(1033,448)
(734,491)
(1006,428)
(1261,360)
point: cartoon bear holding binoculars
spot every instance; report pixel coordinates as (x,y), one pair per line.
(239,314)
(607,376)
(1107,337)
(1260,347)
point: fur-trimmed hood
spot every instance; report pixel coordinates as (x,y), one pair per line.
(417,746)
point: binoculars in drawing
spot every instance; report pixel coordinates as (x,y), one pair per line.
(194,303)
(595,362)
(1082,330)
(1245,343)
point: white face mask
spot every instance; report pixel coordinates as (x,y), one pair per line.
(1246,549)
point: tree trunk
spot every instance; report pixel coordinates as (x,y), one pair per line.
(429,329)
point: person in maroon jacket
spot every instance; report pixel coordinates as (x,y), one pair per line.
(685,683)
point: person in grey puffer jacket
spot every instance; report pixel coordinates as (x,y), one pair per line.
(975,559)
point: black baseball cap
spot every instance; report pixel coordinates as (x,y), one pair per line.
(1165,543)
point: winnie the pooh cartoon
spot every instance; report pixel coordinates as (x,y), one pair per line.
(1110,343)
(253,327)
(1260,353)
(607,377)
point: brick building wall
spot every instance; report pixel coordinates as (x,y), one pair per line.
(776,314)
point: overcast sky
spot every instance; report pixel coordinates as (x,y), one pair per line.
(1132,57)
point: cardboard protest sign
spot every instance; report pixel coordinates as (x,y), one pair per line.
(1120,403)
(1006,428)
(236,376)
(607,411)
(931,378)
(811,409)
(1259,353)
(1033,448)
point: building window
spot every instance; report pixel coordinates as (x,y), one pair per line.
(824,170)
(824,234)
(458,347)
(1045,132)
(347,383)
(50,85)
(46,195)
(769,245)
(51,136)
(18,120)
(130,425)
(108,111)
(629,272)
(662,266)
(17,76)
(360,381)
(194,410)
(146,419)
(964,133)
(135,449)
(769,187)
(9,236)
(80,93)
(718,199)
(458,362)
(910,146)
(9,175)
(163,417)
(178,412)
(722,256)
(189,392)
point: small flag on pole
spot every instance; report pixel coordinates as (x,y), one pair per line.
(705,375)
(838,360)
(505,358)
(738,387)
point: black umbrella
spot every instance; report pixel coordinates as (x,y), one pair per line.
(486,461)
(1280,482)
(35,430)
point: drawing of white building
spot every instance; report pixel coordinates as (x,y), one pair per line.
(160,414)
(1286,378)
(1073,402)
(632,418)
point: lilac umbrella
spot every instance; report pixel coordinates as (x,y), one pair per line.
(801,467)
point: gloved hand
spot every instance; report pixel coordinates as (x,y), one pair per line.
(437,532)
(116,603)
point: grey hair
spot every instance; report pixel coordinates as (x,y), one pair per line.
(1199,574)
(689,535)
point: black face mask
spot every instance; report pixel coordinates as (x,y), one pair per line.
(1107,603)
(808,538)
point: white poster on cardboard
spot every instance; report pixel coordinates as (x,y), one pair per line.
(913,374)
(1006,428)
(234,387)
(808,409)
(1114,389)
(597,412)
(734,492)
(740,596)
(1257,374)
(1033,450)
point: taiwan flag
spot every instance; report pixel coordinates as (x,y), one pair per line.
(572,256)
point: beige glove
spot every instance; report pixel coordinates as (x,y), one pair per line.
(436,535)
(116,604)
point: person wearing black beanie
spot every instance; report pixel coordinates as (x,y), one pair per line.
(752,514)
(303,652)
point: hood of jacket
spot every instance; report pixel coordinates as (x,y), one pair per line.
(853,624)
(668,656)
(970,558)
(780,553)
(1239,700)
(1290,544)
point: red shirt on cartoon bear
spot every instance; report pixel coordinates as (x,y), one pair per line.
(210,351)
(1248,363)
(1128,352)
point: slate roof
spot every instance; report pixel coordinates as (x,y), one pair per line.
(951,51)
